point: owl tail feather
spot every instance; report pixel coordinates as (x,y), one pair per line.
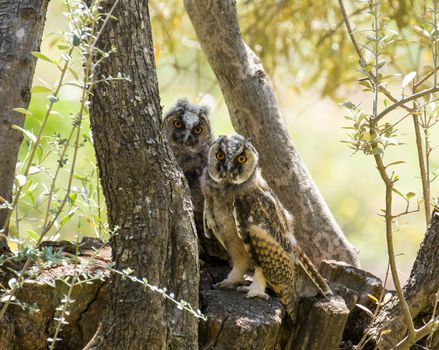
(309,268)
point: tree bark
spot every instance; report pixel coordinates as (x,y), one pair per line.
(24,330)
(420,291)
(254,112)
(329,315)
(148,200)
(21,29)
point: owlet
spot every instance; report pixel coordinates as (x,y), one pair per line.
(245,215)
(189,134)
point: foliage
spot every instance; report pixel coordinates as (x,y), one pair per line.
(304,47)
(372,136)
(300,39)
(49,186)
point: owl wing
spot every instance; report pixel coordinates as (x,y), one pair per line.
(264,227)
(210,224)
(301,258)
(276,263)
(308,267)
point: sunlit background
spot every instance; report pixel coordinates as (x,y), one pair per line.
(309,83)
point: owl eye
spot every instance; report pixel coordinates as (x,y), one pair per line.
(178,124)
(220,156)
(198,129)
(242,159)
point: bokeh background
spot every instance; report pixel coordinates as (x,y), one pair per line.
(304,48)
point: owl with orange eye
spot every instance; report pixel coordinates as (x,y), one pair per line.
(190,136)
(243,213)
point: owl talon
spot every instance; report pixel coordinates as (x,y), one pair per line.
(257,288)
(227,284)
(256,294)
(252,292)
(222,285)
(243,289)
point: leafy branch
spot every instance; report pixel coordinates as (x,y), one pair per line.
(85,40)
(373,138)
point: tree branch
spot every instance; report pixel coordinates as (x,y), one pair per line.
(17,67)
(362,61)
(419,291)
(391,251)
(401,102)
(254,113)
(419,334)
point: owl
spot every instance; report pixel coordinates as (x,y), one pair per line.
(189,135)
(247,218)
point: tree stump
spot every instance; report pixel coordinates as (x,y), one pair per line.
(321,323)
(234,322)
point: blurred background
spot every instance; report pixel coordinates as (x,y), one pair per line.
(313,69)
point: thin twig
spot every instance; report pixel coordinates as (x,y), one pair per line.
(388,181)
(403,101)
(38,139)
(362,61)
(391,250)
(426,77)
(422,168)
(86,91)
(420,333)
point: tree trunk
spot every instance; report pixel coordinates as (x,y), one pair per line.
(148,200)
(21,29)
(420,291)
(255,114)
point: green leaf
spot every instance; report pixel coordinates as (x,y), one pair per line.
(67,217)
(27,133)
(395,163)
(52,98)
(23,111)
(364,308)
(42,56)
(407,79)
(31,196)
(385,332)
(81,178)
(386,298)
(66,57)
(376,150)
(373,298)
(96,218)
(21,179)
(398,193)
(35,170)
(12,283)
(349,105)
(38,89)
(72,198)
(7,297)
(410,195)
(33,235)
(76,40)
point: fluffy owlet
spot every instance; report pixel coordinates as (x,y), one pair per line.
(248,219)
(189,134)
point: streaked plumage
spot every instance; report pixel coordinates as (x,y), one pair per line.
(260,223)
(189,135)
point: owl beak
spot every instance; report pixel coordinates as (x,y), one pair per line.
(229,167)
(186,136)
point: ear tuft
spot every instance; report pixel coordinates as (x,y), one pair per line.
(204,110)
(183,105)
(178,108)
